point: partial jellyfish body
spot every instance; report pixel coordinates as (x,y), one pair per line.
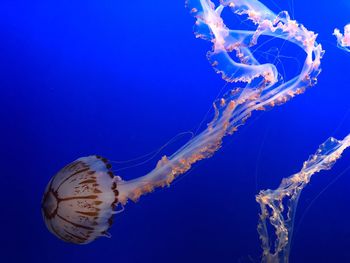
(278,207)
(80,199)
(343,40)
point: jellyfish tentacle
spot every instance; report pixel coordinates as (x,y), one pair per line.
(273,202)
(263,88)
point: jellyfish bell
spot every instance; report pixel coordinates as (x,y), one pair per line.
(79,201)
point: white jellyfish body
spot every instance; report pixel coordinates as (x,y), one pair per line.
(79,201)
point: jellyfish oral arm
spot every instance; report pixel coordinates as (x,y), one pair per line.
(281,217)
(263,87)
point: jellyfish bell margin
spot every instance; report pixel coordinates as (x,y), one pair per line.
(80,200)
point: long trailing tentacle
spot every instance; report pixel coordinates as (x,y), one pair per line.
(263,87)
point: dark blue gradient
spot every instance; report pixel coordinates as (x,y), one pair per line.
(120,79)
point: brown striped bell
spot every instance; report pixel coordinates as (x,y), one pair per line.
(79,201)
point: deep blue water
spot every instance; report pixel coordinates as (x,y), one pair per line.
(120,79)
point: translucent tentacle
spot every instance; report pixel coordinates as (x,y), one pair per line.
(263,88)
(278,206)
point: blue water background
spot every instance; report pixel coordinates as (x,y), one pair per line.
(120,79)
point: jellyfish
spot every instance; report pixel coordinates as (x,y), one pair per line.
(79,201)
(343,41)
(278,206)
